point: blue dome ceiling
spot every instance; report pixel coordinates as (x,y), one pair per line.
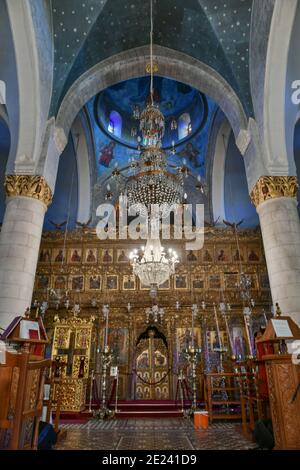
(176,100)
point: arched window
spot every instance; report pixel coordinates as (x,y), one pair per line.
(115,124)
(184,126)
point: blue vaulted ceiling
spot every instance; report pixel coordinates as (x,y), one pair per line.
(215,32)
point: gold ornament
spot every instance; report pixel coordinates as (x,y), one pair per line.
(154,67)
(270,187)
(28,186)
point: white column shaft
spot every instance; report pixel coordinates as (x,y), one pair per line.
(19,247)
(280,226)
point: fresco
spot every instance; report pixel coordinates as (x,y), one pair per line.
(175,99)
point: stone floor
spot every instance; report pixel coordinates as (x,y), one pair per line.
(152,434)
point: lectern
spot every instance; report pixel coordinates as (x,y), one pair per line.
(27,335)
(283,378)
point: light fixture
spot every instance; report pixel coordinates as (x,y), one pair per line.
(153,183)
(153,265)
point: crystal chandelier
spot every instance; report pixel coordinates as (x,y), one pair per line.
(152,183)
(153,265)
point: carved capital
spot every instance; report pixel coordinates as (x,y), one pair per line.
(270,187)
(29,186)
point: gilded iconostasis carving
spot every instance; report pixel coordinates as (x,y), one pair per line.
(89,272)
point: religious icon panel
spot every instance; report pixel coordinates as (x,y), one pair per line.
(91,255)
(198,282)
(253,254)
(60,282)
(93,282)
(181,281)
(107,255)
(223,254)
(129,282)
(45,255)
(112,282)
(238,254)
(75,255)
(77,283)
(123,256)
(208,254)
(43,282)
(58,255)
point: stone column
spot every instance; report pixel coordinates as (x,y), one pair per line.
(276,205)
(27,201)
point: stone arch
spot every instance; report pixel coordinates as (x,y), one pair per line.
(274,66)
(171,64)
(220,134)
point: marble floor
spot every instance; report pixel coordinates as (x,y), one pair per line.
(152,434)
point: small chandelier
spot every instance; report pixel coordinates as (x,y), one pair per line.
(152,265)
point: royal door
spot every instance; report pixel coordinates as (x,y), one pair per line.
(152,367)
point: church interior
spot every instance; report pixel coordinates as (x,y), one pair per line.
(122,328)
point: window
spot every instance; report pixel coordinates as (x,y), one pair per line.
(184,126)
(115,124)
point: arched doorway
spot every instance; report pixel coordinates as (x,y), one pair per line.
(152,366)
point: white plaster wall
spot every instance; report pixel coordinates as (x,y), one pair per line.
(280,228)
(19,247)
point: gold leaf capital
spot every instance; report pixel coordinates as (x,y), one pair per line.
(28,186)
(270,187)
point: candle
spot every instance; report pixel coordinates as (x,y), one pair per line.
(217,326)
(106,329)
(192,328)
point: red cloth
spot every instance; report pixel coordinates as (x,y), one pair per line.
(263,349)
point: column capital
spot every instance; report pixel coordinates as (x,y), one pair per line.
(29,186)
(270,187)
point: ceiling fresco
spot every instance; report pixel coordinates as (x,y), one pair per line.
(113,109)
(213,31)
(190,152)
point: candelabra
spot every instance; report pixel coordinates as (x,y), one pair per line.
(192,354)
(245,290)
(106,359)
(225,310)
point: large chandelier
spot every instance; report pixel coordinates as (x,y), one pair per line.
(153,183)
(153,265)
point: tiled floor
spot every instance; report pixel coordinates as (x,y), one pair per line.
(151,434)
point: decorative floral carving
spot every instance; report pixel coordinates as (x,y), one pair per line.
(29,186)
(270,187)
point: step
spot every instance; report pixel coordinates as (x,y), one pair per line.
(148,414)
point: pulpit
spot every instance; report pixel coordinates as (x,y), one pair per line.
(283,378)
